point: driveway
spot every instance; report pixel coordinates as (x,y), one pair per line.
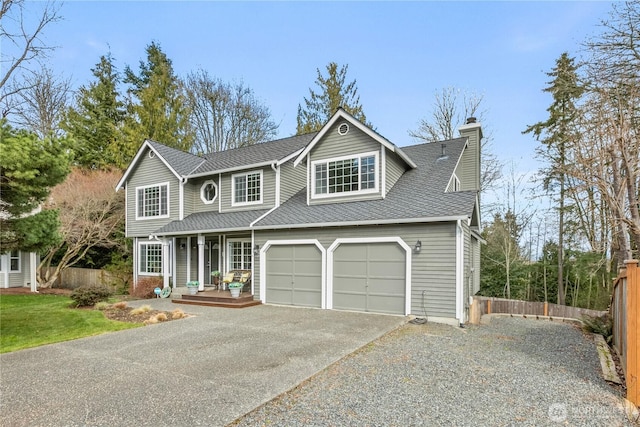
(208,369)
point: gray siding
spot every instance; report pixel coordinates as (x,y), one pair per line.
(268,191)
(335,145)
(395,167)
(475,251)
(190,193)
(150,171)
(292,180)
(197,204)
(433,269)
(469,167)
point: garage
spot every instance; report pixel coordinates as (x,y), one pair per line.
(294,275)
(369,277)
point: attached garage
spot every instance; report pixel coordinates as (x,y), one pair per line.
(369,276)
(293,274)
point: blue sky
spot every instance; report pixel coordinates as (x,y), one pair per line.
(400,53)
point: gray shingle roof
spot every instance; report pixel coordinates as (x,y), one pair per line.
(254,154)
(418,195)
(211,221)
(183,163)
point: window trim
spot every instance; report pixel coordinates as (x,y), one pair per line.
(138,267)
(159,185)
(233,188)
(204,185)
(11,258)
(230,243)
(359,156)
(7,257)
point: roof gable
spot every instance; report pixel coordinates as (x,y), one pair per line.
(342,114)
(178,162)
(418,196)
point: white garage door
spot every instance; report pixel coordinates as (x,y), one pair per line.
(369,277)
(294,275)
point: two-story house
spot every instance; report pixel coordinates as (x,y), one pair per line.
(339,219)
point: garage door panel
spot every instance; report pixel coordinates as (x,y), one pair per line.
(370,277)
(386,303)
(349,267)
(306,298)
(307,267)
(390,286)
(350,301)
(294,275)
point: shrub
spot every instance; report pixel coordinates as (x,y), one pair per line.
(121,305)
(162,317)
(177,314)
(141,310)
(602,325)
(86,296)
(102,305)
(145,286)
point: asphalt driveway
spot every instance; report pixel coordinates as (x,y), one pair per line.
(208,369)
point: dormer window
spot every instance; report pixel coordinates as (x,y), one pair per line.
(345,175)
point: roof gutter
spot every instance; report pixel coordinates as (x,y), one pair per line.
(233,169)
(369,222)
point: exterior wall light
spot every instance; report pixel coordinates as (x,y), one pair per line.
(256,250)
(418,247)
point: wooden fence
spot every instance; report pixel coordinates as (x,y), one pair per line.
(72,278)
(625,310)
(486,305)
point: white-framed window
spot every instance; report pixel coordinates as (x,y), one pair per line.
(14,260)
(246,188)
(150,259)
(240,255)
(346,175)
(152,201)
(208,192)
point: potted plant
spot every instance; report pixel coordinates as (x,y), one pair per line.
(215,277)
(192,286)
(235,288)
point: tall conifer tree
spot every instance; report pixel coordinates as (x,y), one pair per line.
(333,93)
(557,134)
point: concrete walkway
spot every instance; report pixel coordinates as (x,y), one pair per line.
(208,369)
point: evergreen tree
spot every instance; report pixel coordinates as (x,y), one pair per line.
(29,168)
(95,122)
(557,134)
(333,93)
(158,108)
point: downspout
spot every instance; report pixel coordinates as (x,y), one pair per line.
(276,169)
(183,182)
(459,273)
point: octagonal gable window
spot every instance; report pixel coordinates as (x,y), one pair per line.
(208,192)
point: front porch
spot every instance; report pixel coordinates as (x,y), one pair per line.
(214,298)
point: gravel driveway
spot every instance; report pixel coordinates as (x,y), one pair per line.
(511,372)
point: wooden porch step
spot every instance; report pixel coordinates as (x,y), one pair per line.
(218,299)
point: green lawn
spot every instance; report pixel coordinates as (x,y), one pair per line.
(33,320)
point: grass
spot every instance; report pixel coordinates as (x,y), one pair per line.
(33,320)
